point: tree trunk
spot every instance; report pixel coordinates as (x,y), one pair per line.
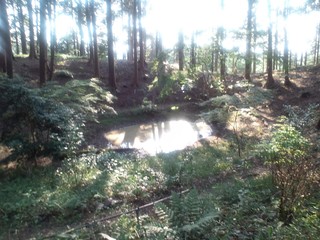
(130,38)
(222,55)
(193,60)
(5,39)
(275,50)
(318,45)
(254,65)
(80,22)
(286,59)
(95,43)
(270,81)
(53,41)
(112,75)
(135,44)
(248,59)
(306,58)
(181,51)
(22,28)
(32,49)
(43,43)
(89,28)
(287,81)
(141,44)
(158,44)
(16,37)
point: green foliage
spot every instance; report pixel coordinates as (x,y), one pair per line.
(86,97)
(290,158)
(304,119)
(187,218)
(33,125)
(48,121)
(65,74)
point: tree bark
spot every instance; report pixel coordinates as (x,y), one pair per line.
(89,28)
(248,59)
(130,38)
(270,80)
(254,65)
(43,43)
(95,43)
(53,41)
(141,44)
(158,44)
(5,40)
(193,60)
(22,28)
(80,22)
(135,44)
(112,75)
(181,51)
(32,48)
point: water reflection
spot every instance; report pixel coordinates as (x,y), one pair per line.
(159,137)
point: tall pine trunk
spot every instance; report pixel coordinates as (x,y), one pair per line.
(141,44)
(53,41)
(43,43)
(32,48)
(270,81)
(95,42)
(80,22)
(112,75)
(181,51)
(135,44)
(5,38)
(89,29)
(248,59)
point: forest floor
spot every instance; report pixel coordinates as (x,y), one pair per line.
(304,90)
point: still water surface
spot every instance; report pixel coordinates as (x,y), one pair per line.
(159,137)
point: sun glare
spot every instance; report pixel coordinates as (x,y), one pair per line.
(203,17)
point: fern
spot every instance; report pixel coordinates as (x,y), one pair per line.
(86,97)
(186,218)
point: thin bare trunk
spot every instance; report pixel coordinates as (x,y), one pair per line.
(135,44)
(248,59)
(53,41)
(141,43)
(22,28)
(89,28)
(32,49)
(181,51)
(95,42)
(112,75)
(5,39)
(43,43)
(270,80)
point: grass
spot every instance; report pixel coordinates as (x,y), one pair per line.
(95,186)
(75,199)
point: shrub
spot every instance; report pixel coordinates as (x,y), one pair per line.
(290,158)
(35,126)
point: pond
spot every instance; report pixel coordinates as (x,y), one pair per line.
(159,137)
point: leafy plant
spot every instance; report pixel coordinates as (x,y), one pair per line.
(186,217)
(35,126)
(290,158)
(304,119)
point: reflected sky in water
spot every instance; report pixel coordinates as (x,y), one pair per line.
(160,137)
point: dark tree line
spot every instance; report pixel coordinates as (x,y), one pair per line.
(32,21)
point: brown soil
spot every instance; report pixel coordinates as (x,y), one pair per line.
(303,90)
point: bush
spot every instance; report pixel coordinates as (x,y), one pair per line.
(34,126)
(290,158)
